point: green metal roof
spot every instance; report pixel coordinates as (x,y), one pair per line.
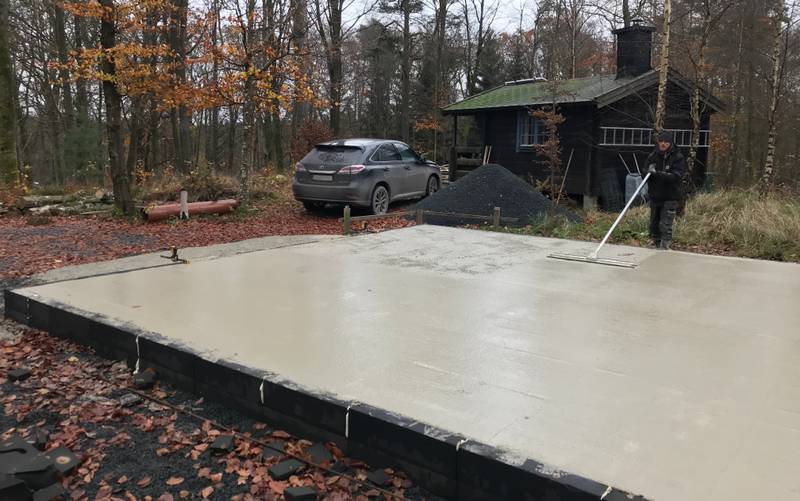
(576,90)
(600,89)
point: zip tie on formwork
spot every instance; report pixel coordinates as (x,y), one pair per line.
(138,356)
(347,419)
(460,443)
(261,389)
(606,493)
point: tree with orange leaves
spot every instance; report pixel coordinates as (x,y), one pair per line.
(252,61)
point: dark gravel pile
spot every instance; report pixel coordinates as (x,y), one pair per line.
(485,188)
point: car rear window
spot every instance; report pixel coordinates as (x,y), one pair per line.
(344,155)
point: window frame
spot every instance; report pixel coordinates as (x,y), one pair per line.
(378,149)
(539,134)
(398,147)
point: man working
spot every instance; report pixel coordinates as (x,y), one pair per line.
(666,167)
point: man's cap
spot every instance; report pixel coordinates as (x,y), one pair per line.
(666,137)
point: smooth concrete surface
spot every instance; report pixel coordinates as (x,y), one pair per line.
(153,259)
(679,380)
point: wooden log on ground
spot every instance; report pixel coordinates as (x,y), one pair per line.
(103,196)
(162,212)
(30,201)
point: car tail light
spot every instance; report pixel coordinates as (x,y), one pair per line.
(351,169)
(298,167)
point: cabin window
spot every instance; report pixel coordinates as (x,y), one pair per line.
(530,132)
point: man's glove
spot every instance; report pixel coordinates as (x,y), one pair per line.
(652,169)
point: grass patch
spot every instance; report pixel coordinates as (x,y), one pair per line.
(731,222)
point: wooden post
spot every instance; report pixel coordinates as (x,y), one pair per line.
(496,218)
(346,220)
(184,213)
(453,167)
(420,216)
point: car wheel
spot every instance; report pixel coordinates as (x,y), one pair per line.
(380,200)
(314,206)
(433,186)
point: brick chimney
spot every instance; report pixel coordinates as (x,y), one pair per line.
(634,48)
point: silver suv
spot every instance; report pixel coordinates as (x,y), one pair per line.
(363,172)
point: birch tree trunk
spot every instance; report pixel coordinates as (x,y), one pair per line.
(700,80)
(775,88)
(663,68)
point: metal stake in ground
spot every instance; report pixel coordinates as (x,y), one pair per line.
(592,258)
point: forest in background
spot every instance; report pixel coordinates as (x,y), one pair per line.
(238,86)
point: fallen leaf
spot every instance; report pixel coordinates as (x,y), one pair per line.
(144,482)
(184,494)
(207,492)
(280,434)
(173,481)
(216,477)
(122,479)
(277,487)
(203,472)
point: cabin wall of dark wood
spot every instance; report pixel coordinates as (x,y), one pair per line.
(638,110)
(575,134)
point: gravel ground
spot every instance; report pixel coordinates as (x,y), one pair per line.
(485,188)
(153,451)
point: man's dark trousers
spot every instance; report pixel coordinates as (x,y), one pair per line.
(662,216)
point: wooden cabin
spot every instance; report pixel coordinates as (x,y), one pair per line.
(607,131)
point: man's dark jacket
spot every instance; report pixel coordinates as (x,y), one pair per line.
(665,184)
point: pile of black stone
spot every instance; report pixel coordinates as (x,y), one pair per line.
(29,473)
(485,188)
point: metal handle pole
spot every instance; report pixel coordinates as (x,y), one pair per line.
(593,255)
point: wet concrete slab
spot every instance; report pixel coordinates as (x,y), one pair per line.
(679,380)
